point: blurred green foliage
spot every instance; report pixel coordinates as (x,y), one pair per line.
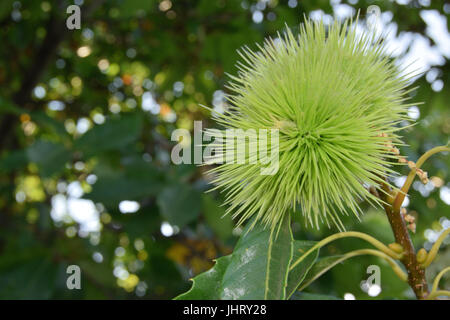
(86,118)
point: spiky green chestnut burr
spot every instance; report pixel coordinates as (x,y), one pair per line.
(337,100)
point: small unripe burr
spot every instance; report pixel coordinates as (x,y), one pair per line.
(421,255)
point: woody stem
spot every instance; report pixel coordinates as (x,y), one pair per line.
(416,274)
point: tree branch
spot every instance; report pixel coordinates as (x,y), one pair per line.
(416,274)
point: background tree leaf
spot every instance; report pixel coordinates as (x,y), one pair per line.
(50,157)
(115,133)
(35,277)
(179,204)
(134,180)
(50,124)
(13,160)
(215,216)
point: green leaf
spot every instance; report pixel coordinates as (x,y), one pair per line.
(298,274)
(260,263)
(135,180)
(207,285)
(179,204)
(115,133)
(141,223)
(130,8)
(215,216)
(99,270)
(312,296)
(319,268)
(32,279)
(5,105)
(50,157)
(50,124)
(14,160)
